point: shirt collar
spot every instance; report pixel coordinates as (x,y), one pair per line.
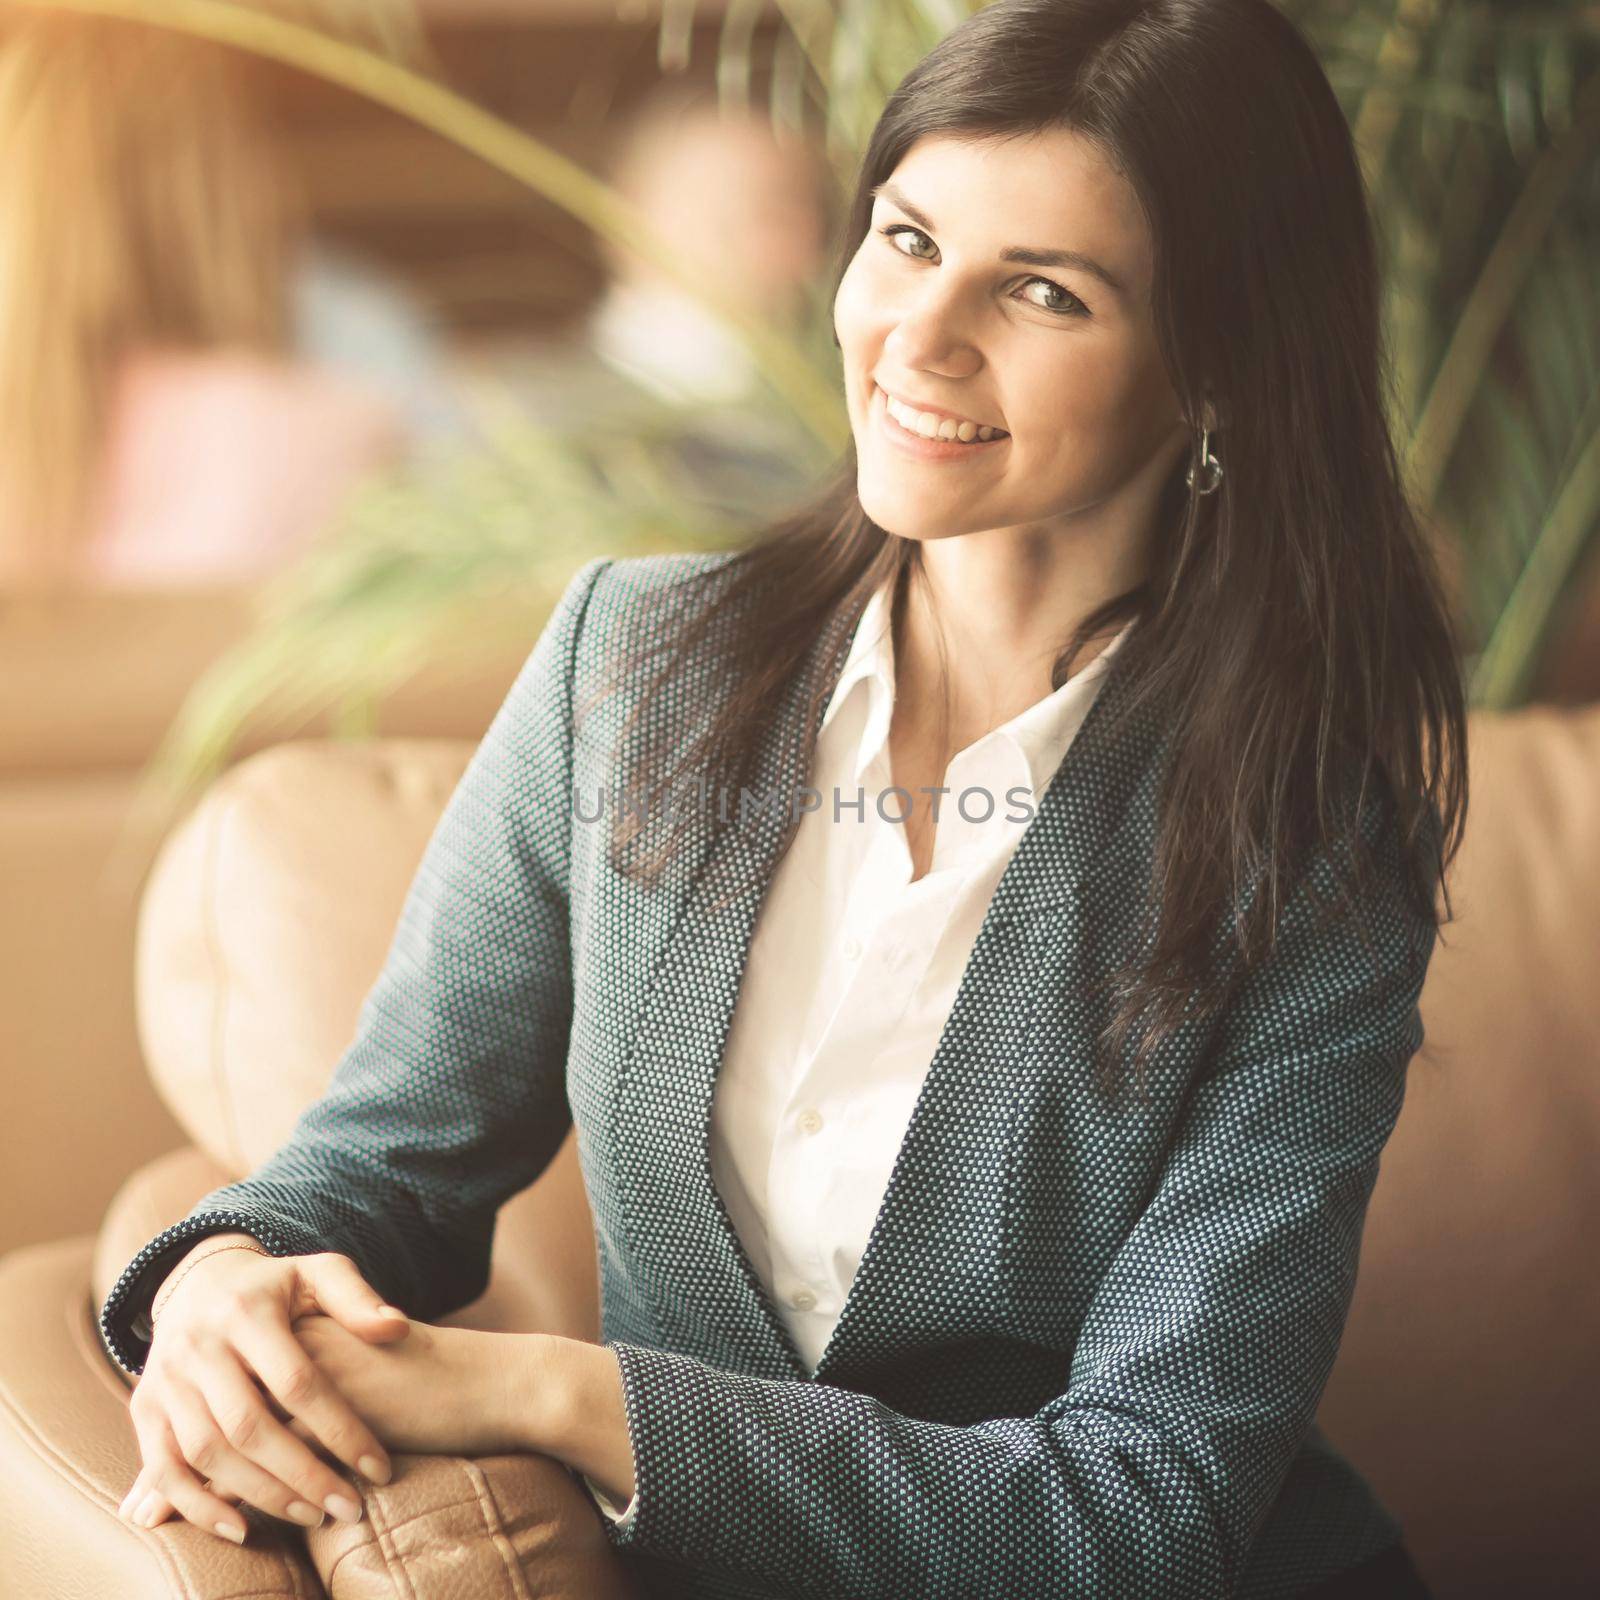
(1042,733)
(1028,748)
(871,652)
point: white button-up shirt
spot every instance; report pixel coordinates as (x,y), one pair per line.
(853,970)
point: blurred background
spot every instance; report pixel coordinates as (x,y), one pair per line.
(336,334)
(323,365)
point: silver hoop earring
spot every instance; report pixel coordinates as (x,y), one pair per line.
(1208,464)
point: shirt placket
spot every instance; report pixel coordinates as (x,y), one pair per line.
(884,943)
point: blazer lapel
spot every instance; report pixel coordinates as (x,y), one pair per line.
(695,1272)
(697,1276)
(942,1216)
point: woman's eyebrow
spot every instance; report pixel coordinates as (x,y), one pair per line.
(1021,253)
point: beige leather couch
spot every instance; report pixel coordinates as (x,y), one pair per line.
(1466,1388)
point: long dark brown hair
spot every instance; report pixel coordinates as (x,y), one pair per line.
(1293,623)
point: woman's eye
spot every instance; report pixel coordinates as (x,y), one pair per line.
(1066,303)
(896,228)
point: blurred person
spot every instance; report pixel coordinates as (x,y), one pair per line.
(748,210)
(744,206)
(159,429)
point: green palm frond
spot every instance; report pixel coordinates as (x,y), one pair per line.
(1525,495)
(1479,129)
(1518,248)
(452,561)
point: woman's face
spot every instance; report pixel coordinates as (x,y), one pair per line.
(1062,360)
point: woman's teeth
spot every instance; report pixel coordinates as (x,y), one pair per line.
(931,426)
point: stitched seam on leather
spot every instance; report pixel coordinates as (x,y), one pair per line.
(393,1564)
(219,988)
(405,1522)
(384,1531)
(494,1526)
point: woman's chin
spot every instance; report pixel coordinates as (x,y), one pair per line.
(907,520)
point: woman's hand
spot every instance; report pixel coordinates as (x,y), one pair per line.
(456,1391)
(444,1391)
(230,1402)
(440,1391)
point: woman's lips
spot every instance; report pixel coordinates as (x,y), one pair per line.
(913,444)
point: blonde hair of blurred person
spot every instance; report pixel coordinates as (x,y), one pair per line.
(155,429)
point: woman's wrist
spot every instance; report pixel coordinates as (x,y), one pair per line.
(541,1393)
(571,1396)
(211,1244)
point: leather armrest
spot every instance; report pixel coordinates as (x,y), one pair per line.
(446,1526)
(68,1454)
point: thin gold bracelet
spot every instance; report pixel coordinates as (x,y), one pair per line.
(168,1288)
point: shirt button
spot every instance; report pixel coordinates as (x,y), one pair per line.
(810,1120)
(852,949)
(803,1300)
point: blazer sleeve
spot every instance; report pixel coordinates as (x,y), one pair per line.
(1196,1377)
(451,1097)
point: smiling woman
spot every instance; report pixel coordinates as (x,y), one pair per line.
(942,321)
(1179,424)
(977,1207)
(1114,382)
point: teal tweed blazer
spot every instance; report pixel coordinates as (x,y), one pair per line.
(1086,1344)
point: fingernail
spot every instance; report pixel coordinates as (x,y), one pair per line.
(307,1515)
(372,1467)
(228,1531)
(122,1510)
(392,1311)
(344,1510)
(147,1505)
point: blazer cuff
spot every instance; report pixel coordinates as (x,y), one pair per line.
(125,1329)
(682,1413)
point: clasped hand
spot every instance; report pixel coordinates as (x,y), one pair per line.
(215,1436)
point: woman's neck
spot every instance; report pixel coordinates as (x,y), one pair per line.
(976,637)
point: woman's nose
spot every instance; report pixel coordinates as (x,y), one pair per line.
(935,335)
